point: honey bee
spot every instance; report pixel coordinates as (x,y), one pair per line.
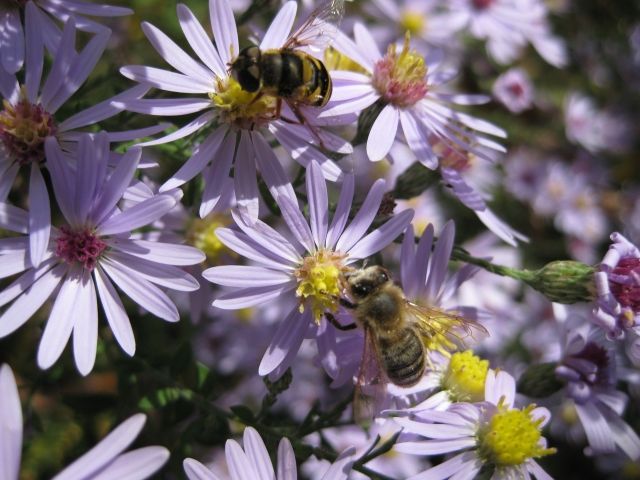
(398,333)
(290,73)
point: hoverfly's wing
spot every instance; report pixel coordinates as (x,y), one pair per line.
(441,330)
(317,32)
(371,385)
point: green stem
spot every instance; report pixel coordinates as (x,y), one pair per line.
(463,256)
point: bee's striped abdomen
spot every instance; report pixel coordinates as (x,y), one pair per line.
(403,358)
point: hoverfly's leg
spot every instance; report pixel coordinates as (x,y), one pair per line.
(303,121)
(258,96)
(278,108)
(332,320)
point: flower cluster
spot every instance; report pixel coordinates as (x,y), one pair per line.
(376,233)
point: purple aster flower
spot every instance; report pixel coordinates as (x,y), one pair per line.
(514,90)
(618,288)
(391,464)
(589,371)
(236,116)
(253,463)
(427,21)
(411,87)
(306,267)
(86,256)
(508,25)
(105,460)
(29,116)
(438,136)
(492,433)
(525,174)
(594,129)
(12,40)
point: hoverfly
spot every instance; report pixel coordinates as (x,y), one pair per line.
(291,73)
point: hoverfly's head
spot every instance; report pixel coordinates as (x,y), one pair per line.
(362,283)
(245,69)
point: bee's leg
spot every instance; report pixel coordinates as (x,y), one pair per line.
(332,320)
(347,303)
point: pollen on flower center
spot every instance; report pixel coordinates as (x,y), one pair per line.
(465,377)
(320,282)
(79,246)
(241,108)
(23,129)
(400,78)
(512,437)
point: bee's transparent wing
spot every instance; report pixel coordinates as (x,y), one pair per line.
(371,385)
(442,330)
(317,32)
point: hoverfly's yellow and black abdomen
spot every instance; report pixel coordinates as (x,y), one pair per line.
(290,74)
(246,69)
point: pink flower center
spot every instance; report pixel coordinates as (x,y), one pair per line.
(400,78)
(451,155)
(23,129)
(625,283)
(481,4)
(515,89)
(82,246)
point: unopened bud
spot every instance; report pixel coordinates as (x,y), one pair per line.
(539,381)
(563,281)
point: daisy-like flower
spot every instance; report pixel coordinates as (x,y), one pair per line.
(514,90)
(618,288)
(594,129)
(589,371)
(29,116)
(253,463)
(492,433)
(426,20)
(437,135)
(234,115)
(105,460)
(508,25)
(411,89)
(12,40)
(306,267)
(89,254)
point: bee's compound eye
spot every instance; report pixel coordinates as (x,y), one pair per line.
(361,289)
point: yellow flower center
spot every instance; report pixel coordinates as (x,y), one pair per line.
(465,376)
(400,78)
(202,235)
(334,60)
(23,129)
(320,282)
(412,22)
(512,437)
(241,108)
